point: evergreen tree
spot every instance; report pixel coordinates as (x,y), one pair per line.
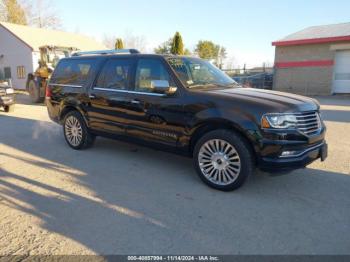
(177,47)
(119,44)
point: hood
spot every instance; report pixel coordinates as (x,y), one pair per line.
(273,101)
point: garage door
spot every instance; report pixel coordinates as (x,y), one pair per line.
(341,80)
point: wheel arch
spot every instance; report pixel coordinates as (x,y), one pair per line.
(69,108)
(215,124)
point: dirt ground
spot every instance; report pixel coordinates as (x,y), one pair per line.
(118,198)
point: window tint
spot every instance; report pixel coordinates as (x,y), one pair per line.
(115,74)
(148,70)
(73,71)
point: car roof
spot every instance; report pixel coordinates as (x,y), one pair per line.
(114,56)
(99,56)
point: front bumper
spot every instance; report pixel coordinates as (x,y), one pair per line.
(301,160)
(7,100)
(286,151)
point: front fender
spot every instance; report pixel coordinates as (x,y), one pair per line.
(238,118)
(241,121)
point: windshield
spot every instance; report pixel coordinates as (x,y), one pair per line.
(195,72)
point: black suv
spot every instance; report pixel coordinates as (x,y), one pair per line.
(186,105)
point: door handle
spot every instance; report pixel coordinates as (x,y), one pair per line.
(135,102)
(92,96)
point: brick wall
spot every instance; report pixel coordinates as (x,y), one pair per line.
(310,80)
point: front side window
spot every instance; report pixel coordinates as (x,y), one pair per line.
(149,70)
(73,72)
(195,72)
(115,74)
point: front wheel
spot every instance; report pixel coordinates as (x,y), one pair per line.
(223,160)
(76,132)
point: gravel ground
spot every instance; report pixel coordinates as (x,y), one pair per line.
(117,198)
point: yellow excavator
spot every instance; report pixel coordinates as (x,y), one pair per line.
(49,57)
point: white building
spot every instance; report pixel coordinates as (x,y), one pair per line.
(19,49)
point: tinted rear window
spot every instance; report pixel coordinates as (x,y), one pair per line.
(73,72)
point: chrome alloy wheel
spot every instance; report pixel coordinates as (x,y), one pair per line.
(73,131)
(219,162)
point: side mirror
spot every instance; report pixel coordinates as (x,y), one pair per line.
(162,87)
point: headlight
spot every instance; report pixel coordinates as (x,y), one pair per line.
(281,121)
(10,91)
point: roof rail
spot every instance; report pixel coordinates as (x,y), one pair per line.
(107,52)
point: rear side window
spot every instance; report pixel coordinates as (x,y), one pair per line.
(73,72)
(115,74)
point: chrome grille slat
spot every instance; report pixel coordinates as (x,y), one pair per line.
(308,122)
(310,132)
(304,115)
(305,125)
(308,128)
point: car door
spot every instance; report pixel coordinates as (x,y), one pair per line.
(109,97)
(155,117)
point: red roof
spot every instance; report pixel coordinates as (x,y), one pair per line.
(317,34)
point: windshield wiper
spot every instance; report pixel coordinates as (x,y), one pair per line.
(233,85)
(201,85)
(214,85)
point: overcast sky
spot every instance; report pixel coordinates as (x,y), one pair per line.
(245,28)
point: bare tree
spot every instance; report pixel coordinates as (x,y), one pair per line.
(2,10)
(129,40)
(137,42)
(42,14)
(231,63)
(109,41)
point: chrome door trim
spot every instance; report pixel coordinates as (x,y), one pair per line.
(127,91)
(65,85)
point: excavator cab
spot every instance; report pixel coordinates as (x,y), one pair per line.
(49,57)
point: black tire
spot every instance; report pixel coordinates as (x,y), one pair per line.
(240,147)
(9,109)
(87,139)
(34,92)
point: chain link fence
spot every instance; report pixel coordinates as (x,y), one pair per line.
(257,77)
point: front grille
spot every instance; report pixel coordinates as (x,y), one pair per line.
(308,122)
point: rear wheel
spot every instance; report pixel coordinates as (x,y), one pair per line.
(223,160)
(76,132)
(34,92)
(9,109)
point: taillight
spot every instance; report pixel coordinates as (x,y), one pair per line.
(48,92)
